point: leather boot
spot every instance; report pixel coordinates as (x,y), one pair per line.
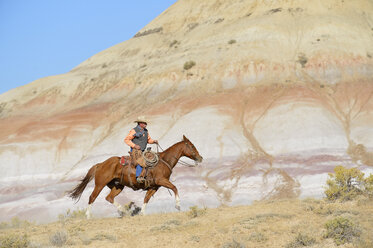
(141,177)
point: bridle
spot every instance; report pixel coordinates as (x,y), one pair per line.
(179,161)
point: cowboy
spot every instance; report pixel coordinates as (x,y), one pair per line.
(137,139)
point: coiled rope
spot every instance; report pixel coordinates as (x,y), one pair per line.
(150,160)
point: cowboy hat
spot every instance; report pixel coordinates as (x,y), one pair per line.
(141,119)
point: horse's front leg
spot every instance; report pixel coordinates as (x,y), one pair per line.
(149,194)
(166,183)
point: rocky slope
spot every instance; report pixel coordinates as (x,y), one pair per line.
(280,93)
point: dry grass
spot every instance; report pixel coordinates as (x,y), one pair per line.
(282,223)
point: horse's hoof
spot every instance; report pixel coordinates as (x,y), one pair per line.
(177,207)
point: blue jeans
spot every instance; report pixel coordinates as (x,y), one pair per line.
(138,170)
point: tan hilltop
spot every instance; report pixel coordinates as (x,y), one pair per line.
(273,94)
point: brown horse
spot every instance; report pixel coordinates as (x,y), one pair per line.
(116,176)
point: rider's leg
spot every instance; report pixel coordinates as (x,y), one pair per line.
(141,164)
(138,170)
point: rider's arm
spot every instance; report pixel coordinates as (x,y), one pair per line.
(129,138)
(150,140)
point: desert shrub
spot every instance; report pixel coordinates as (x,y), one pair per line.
(196,212)
(257,237)
(168,225)
(323,209)
(173,222)
(231,42)
(174,43)
(364,242)
(302,59)
(59,238)
(192,25)
(14,241)
(160,228)
(85,240)
(189,64)
(368,186)
(105,236)
(233,244)
(4,225)
(346,184)
(195,238)
(149,31)
(76,214)
(15,222)
(301,240)
(342,230)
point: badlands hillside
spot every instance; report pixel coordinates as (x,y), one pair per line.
(273,94)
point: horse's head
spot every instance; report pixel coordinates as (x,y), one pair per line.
(190,150)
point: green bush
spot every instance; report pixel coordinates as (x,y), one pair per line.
(368,186)
(14,241)
(342,230)
(346,184)
(189,64)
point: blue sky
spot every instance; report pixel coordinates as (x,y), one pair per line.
(40,38)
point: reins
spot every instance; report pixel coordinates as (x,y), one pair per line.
(178,160)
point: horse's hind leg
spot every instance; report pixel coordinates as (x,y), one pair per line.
(100,183)
(115,190)
(96,191)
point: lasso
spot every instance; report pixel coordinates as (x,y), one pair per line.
(150,162)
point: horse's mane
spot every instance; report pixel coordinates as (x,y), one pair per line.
(168,149)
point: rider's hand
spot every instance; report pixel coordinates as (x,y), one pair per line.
(155,141)
(137,147)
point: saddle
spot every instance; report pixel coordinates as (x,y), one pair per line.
(125,160)
(146,160)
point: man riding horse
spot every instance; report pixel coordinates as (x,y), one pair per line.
(137,139)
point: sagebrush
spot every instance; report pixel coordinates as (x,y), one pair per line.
(342,230)
(346,184)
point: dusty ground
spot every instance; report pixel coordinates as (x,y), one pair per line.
(263,224)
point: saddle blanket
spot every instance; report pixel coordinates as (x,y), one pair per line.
(124,160)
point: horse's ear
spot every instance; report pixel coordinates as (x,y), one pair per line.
(185,139)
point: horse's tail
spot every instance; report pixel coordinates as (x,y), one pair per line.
(78,190)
